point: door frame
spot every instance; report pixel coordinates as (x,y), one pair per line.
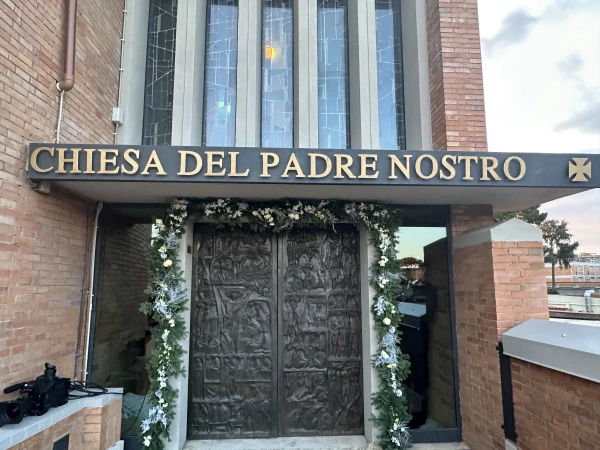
(368,253)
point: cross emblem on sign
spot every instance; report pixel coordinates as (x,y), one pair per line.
(580,169)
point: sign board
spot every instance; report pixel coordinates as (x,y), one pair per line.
(88,162)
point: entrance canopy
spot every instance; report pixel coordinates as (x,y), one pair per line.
(148,174)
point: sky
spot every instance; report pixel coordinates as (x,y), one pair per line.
(541,72)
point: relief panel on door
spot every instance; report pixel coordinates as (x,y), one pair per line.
(233,359)
(320,385)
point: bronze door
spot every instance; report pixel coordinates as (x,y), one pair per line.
(275,334)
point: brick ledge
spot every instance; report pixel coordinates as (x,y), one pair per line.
(11,435)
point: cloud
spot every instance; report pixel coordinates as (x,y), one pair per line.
(586,120)
(519,24)
(515,27)
(570,66)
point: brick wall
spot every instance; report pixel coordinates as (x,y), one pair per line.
(43,237)
(477,337)
(88,429)
(123,276)
(554,410)
(497,286)
(455,75)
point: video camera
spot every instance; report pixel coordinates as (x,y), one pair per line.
(37,397)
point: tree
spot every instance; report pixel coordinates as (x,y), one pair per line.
(558,246)
(530,215)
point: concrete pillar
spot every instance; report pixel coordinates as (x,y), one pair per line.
(188,91)
(368,254)
(134,70)
(499,281)
(248,109)
(362,62)
(181,383)
(306,101)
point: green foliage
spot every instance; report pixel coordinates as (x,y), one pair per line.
(558,245)
(530,215)
(168,301)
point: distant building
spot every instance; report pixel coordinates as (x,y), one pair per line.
(582,271)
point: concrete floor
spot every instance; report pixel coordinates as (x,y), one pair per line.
(305,443)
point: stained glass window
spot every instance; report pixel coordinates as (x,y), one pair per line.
(160,70)
(390,75)
(277,74)
(220,79)
(332,54)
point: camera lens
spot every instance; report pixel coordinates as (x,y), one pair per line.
(10,412)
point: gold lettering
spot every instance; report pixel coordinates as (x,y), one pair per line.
(451,170)
(313,165)
(34,156)
(507,168)
(74,160)
(467,160)
(343,166)
(434,167)
(233,164)
(211,163)
(183,154)
(104,161)
(294,165)
(364,165)
(488,169)
(89,160)
(396,163)
(154,163)
(266,164)
(132,162)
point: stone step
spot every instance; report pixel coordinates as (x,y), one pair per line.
(305,443)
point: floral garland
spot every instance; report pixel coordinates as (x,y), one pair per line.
(169,301)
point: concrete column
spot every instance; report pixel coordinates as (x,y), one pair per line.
(181,383)
(306,100)
(499,282)
(364,105)
(369,338)
(248,108)
(188,93)
(134,70)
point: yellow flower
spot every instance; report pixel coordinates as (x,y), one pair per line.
(168,263)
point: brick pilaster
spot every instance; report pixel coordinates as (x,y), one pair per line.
(455,75)
(498,284)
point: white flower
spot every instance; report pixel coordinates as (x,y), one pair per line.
(387,321)
(172,323)
(255,213)
(168,263)
(159,222)
(168,316)
(161,401)
(147,440)
(384,355)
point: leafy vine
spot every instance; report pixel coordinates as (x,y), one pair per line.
(168,300)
